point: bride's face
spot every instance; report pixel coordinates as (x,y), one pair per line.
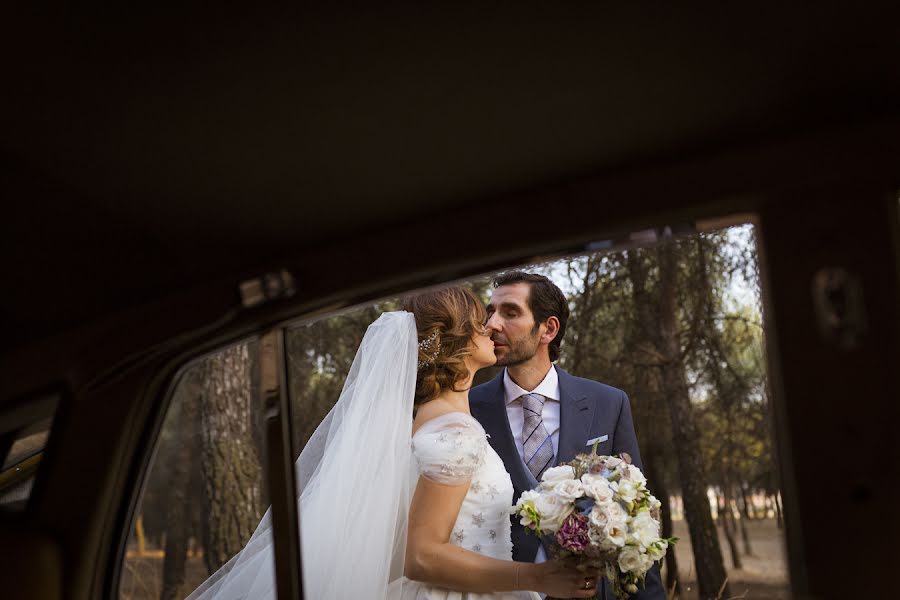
(482,349)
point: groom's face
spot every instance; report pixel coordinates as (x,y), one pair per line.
(516,335)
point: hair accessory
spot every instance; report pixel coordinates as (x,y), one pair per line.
(426,346)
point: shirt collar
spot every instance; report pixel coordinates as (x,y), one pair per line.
(548,387)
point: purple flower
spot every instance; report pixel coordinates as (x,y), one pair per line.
(573,535)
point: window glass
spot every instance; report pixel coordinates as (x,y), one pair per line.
(28,445)
(22,450)
(203,495)
(319,355)
(673,317)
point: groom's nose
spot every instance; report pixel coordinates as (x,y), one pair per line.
(493,322)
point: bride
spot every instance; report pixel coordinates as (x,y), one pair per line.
(402,508)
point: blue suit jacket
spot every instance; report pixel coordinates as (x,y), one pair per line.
(587,410)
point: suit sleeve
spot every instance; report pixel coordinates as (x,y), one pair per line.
(626,441)
(653,588)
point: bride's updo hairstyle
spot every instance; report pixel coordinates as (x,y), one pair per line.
(446,320)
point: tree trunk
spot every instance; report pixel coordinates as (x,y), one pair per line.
(729,527)
(671,559)
(178,518)
(720,510)
(230,467)
(745,516)
(746,505)
(711,576)
(659,489)
(779,516)
(584,309)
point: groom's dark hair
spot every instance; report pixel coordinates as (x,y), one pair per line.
(545,300)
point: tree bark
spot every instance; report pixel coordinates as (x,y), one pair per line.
(779,516)
(671,559)
(729,529)
(720,511)
(178,517)
(746,505)
(711,575)
(230,465)
(575,350)
(745,516)
(659,489)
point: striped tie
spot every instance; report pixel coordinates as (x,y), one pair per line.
(537,443)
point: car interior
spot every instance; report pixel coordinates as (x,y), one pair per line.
(176,180)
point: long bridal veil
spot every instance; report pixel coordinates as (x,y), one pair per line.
(355,477)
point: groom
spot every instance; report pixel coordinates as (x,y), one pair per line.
(536,414)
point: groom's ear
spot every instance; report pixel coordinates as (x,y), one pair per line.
(551,330)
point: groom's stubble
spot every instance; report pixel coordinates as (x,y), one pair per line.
(519,351)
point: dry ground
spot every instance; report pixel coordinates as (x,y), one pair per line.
(763,576)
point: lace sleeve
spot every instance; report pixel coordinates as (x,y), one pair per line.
(450,448)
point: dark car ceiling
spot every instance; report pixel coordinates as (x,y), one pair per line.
(149,149)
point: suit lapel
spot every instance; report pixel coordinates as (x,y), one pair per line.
(492,415)
(576,414)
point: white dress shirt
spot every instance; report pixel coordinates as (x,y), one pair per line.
(549,389)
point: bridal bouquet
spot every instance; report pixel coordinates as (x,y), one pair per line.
(600,514)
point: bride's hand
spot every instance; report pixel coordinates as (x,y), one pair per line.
(557,579)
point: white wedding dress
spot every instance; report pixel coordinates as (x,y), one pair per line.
(452,449)
(356,477)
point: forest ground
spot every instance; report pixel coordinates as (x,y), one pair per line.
(763,576)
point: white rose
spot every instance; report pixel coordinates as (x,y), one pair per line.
(644,529)
(569,489)
(553,510)
(556,474)
(654,502)
(618,534)
(617,527)
(599,539)
(604,544)
(612,462)
(617,514)
(597,487)
(599,517)
(629,559)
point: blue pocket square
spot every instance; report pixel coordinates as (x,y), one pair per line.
(600,439)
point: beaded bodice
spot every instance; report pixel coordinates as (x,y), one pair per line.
(452,449)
